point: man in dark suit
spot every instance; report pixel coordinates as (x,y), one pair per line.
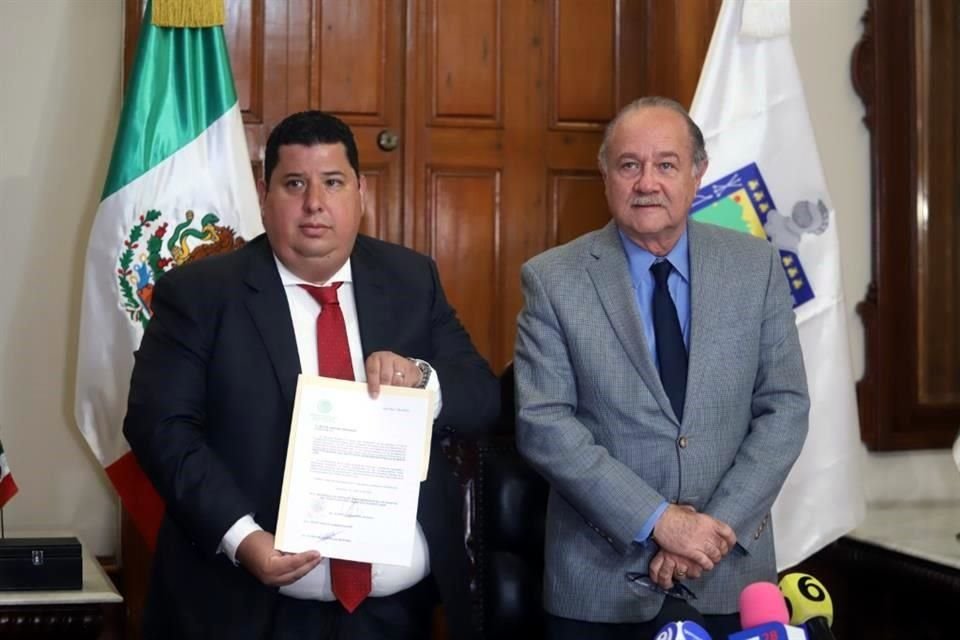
(211,402)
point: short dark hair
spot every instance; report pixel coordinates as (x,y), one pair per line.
(309,128)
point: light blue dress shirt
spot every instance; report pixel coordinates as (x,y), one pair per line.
(678,282)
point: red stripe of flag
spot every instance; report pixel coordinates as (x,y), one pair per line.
(139,498)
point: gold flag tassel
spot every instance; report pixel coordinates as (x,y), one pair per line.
(188,13)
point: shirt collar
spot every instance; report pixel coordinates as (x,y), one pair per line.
(640,260)
(289,279)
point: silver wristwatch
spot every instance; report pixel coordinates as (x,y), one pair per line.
(425,372)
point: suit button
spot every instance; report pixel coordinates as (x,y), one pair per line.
(682,442)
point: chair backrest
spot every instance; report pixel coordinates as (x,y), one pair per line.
(511,502)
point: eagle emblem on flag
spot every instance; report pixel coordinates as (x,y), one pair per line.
(146,256)
(742,202)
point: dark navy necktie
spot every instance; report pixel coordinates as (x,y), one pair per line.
(671,352)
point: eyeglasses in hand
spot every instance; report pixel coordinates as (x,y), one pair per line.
(678,590)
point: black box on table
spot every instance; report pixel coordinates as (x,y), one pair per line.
(40,564)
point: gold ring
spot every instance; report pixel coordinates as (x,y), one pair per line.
(398,373)
(681,574)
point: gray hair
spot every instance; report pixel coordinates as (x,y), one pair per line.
(696,136)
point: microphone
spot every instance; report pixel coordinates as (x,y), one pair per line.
(764,616)
(682,630)
(809,604)
(762,602)
(770,631)
(675,610)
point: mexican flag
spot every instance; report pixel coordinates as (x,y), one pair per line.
(8,488)
(765,178)
(179,188)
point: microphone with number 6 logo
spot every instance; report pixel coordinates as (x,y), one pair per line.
(809,604)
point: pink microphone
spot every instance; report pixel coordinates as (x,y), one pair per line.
(762,602)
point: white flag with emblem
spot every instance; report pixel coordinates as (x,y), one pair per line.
(751,108)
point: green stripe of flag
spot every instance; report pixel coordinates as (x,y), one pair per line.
(181,83)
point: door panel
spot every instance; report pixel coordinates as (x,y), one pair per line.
(464,63)
(518,89)
(676,38)
(583,78)
(458,165)
(352,78)
(573,206)
(377,185)
(464,206)
(357,73)
(244,33)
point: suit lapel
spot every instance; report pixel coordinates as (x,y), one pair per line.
(270,311)
(611,278)
(373,309)
(706,273)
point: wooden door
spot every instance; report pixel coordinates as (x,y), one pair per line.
(497,108)
(508,102)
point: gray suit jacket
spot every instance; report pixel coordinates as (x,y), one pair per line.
(594,420)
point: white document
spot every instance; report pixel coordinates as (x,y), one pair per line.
(353,471)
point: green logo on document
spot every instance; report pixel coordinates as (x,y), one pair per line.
(324,406)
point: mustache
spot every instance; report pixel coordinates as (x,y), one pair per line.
(647,201)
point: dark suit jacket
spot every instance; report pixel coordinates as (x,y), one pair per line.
(210,405)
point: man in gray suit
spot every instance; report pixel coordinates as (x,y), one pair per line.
(660,391)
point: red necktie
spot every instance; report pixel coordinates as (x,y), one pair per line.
(351,580)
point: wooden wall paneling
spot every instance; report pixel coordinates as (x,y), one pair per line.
(573,202)
(350,78)
(938,235)
(289,58)
(677,37)
(464,64)
(244,34)
(373,224)
(583,89)
(630,61)
(526,38)
(586,91)
(905,400)
(357,72)
(458,129)
(463,205)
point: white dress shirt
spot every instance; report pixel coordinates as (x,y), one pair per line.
(385,579)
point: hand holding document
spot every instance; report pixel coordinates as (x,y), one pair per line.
(353,471)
